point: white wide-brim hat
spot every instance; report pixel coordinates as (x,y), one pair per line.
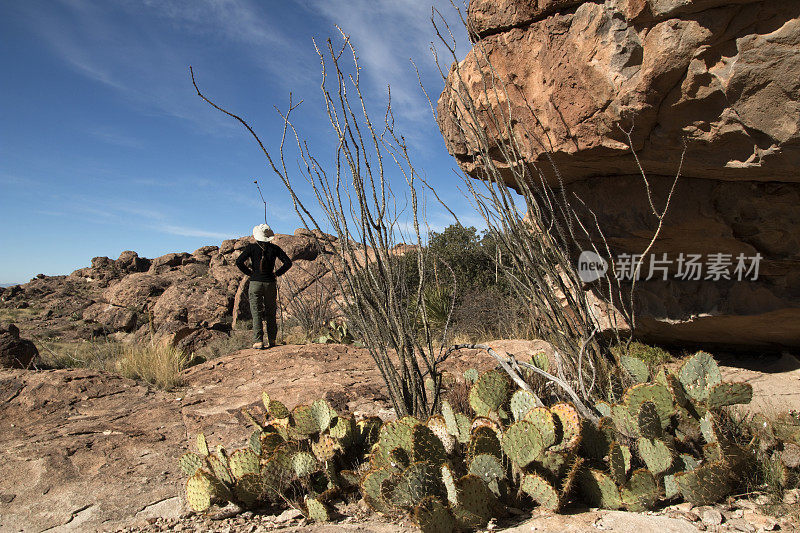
(263,233)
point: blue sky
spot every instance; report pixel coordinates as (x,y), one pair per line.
(105,147)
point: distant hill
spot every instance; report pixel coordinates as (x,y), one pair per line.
(9,284)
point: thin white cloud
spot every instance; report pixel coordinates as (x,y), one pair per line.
(184,231)
(123,46)
(387,35)
(116,137)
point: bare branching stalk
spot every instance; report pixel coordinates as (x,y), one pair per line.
(358,205)
(535,222)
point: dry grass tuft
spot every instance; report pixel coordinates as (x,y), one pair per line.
(100,354)
(157,363)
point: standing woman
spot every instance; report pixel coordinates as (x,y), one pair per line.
(263,291)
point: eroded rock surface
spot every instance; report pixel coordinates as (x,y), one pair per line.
(85,450)
(723,77)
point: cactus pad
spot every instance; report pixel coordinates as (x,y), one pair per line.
(570,426)
(438,425)
(522,401)
(317,511)
(304,464)
(603,407)
(396,434)
(489,393)
(243,462)
(417,481)
(249,488)
(270,442)
(723,394)
(482,421)
(597,439)
(545,424)
(671,488)
(617,465)
(600,490)
(624,421)
(636,368)
(484,440)
(368,431)
(190,462)
(325,447)
(475,501)
(220,469)
(541,361)
(432,516)
(655,453)
(302,421)
(522,443)
(471,375)
(255,441)
(343,429)
(650,392)
(449,481)
(399,458)
(277,410)
(489,469)
(202,445)
(570,479)
(371,489)
(648,421)
(457,424)
(704,485)
(426,446)
(199,491)
(641,491)
(323,415)
(541,491)
(698,374)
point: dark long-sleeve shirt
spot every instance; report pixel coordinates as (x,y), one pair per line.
(272,252)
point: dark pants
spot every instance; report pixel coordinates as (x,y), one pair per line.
(263,297)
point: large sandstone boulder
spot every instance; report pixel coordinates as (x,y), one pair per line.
(194,301)
(14,351)
(114,317)
(722,76)
(129,261)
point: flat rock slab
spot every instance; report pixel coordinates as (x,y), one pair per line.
(83,448)
(775,381)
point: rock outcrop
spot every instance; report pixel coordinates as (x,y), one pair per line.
(189,299)
(723,77)
(15,352)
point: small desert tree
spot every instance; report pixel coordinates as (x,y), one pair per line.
(356,199)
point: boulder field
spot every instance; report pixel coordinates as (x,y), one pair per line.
(190,299)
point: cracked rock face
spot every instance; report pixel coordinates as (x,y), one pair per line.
(722,76)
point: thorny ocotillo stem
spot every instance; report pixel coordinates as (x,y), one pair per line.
(262,199)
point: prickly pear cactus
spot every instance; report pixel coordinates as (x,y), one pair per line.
(662,440)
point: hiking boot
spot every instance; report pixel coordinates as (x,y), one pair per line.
(258,346)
